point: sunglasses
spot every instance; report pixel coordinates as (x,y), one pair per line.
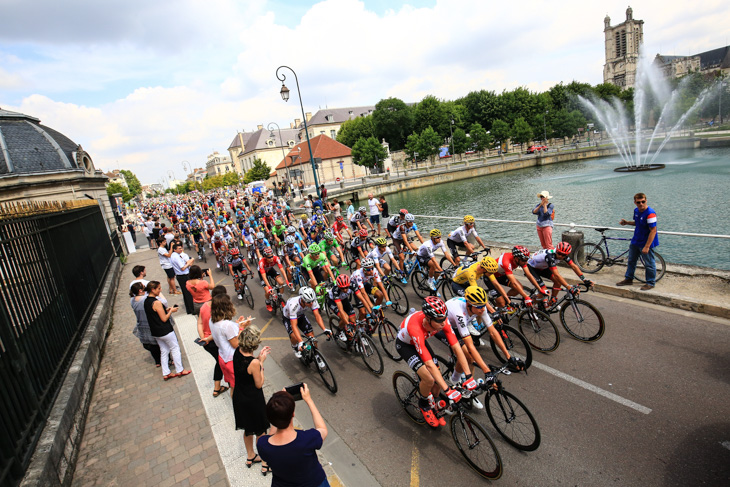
(477,307)
(640,202)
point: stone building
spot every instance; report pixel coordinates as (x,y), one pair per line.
(708,62)
(263,144)
(38,163)
(622,44)
(217,165)
(328,121)
(336,162)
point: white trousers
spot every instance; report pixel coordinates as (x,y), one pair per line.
(168,345)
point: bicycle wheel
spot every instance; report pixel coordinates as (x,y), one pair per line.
(593,257)
(447,291)
(406,390)
(640,273)
(476,446)
(336,329)
(370,355)
(516,344)
(539,330)
(325,371)
(420,283)
(301,281)
(513,421)
(247,296)
(582,320)
(388,332)
(399,299)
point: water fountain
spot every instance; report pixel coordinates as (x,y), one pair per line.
(612,115)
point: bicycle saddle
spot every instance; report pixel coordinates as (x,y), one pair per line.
(600,229)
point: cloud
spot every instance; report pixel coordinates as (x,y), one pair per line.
(150,84)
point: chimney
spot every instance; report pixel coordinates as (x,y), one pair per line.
(309,116)
(259,127)
(297,122)
(291,125)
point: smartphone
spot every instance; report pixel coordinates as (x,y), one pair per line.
(295,390)
(199,342)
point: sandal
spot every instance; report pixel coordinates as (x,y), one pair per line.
(265,469)
(184,372)
(169,376)
(253,460)
(219,391)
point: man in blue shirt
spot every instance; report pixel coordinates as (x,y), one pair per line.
(643,243)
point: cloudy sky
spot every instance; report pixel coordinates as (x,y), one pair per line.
(144,85)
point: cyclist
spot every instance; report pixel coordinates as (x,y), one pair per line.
(267,271)
(426,257)
(395,221)
(382,256)
(363,277)
(462,314)
(459,238)
(337,228)
(278,232)
(236,265)
(356,221)
(332,249)
(291,254)
(508,262)
(360,247)
(314,262)
(305,224)
(338,301)
(400,236)
(544,264)
(467,276)
(316,232)
(295,319)
(219,248)
(417,353)
(197,232)
(184,229)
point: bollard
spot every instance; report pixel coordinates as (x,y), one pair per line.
(342,185)
(575,239)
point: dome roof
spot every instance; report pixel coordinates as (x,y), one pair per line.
(27,146)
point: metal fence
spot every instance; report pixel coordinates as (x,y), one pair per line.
(53,261)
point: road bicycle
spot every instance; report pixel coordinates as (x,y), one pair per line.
(397,296)
(423,288)
(242,290)
(276,299)
(357,340)
(509,416)
(378,324)
(466,259)
(579,318)
(220,260)
(594,257)
(513,340)
(535,325)
(312,355)
(201,251)
(472,440)
(298,278)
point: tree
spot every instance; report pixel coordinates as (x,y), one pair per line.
(213,182)
(430,113)
(233,178)
(521,131)
(413,147)
(259,171)
(353,130)
(135,187)
(481,107)
(430,143)
(392,120)
(566,124)
(480,138)
(112,188)
(460,141)
(500,131)
(369,153)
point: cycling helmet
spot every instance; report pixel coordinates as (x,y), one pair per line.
(268,253)
(363,233)
(229,222)
(410,218)
(307,294)
(234,251)
(291,229)
(320,223)
(403,212)
(218,234)
(182,221)
(278,223)
(435,308)
(260,236)
(362,209)
(520,252)
(343,281)
(252,218)
(435,233)
(314,249)
(289,240)
(468,219)
(246,225)
(329,236)
(489,264)
(340,218)
(367,263)
(476,296)
(318,212)
(380,241)
(304,217)
(563,248)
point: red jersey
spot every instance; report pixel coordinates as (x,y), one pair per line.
(507,264)
(412,331)
(338,226)
(265,266)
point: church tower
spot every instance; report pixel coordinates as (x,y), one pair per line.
(622,50)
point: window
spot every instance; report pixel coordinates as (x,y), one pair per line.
(321,132)
(330,118)
(333,134)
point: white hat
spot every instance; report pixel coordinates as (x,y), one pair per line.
(545,194)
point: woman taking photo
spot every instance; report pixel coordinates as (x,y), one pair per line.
(160,322)
(249,405)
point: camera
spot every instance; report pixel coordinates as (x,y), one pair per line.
(206,272)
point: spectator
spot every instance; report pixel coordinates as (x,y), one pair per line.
(181,265)
(160,323)
(142,328)
(642,243)
(301,189)
(208,342)
(292,454)
(545,212)
(249,405)
(307,205)
(199,288)
(323,193)
(164,255)
(225,333)
(350,210)
(147,234)
(384,208)
(374,211)
(132,231)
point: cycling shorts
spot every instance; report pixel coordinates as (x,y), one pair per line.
(302,323)
(500,279)
(409,354)
(198,237)
(346,306)
(458,289)
(454,245)
(538,273)
(272,273)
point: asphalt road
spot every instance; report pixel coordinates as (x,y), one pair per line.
(648,404)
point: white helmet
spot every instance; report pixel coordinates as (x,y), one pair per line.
(218,234)
(362,209)
(260,235)
(307,294)
(410,218)
(289,240)
(290,229)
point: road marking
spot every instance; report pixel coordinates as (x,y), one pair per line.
(592,388)
(275,338)
(415,480)
(266,326)
(726,444)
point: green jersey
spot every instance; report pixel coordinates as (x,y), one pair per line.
(309,263)
(278,230)
(328,248)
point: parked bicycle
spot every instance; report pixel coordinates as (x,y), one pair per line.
(312,355)
(593,257)
(472,440)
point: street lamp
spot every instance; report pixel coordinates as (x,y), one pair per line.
(285,96)
(544,127)
(281,141)
(719,110)
(451,125)
(171,175)
(415,156)
(189,169)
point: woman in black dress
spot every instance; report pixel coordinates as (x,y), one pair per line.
(249,405)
